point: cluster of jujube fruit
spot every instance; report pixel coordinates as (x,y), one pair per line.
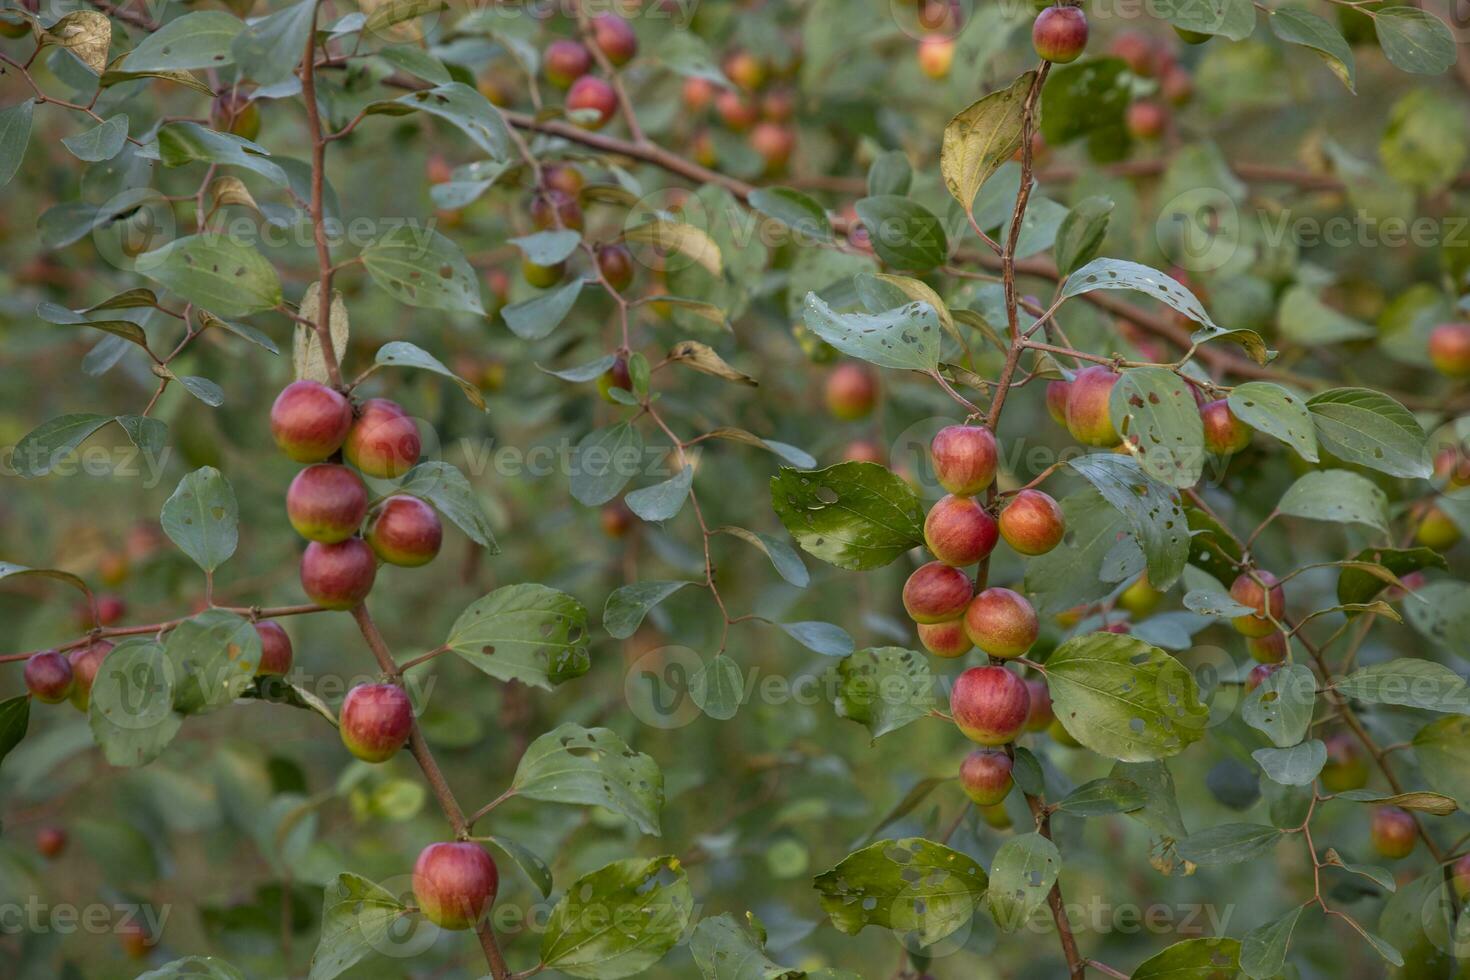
(567,64)
(758,105)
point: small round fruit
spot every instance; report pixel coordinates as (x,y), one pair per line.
(959,531)
(1224,433)
(698,94)
(234,112)
(275,649)
(338,576)
(1040,715)
(989,704)
(616,376)
(936,56)
(384,441)
(615,37)
(1061,736)
(1089,419)
(110,609)
(594,99)
(326,502)
(1138,51)
(562,177)
(310,421)
(1460,876)
(1258,675)
(1032,523)
(1393,832)
(774,143)
(1346,767)
(615,263)
(736,111)
(745,70)
(1269,649)
(48,676)
(405,531)
(996,816)
(1146,120)
(50,841)
(1270,599)
(542,276)
(964,458)
(947,640)
(552,208)
(863,451)
(375,721)
(1140,598)
(937,593)
(565,61)
(1449,349)
(1056,401)
(616,519)
(852,391)
(985,776)
(1177,85)
(778,105)
(85,663)
(1001,622)
(454,884)
(135,940)
(1059,34)
(1436,530)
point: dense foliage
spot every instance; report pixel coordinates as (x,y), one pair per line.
(824,488)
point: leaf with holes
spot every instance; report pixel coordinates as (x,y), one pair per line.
(421,267)
(913,887)
(1283,704)
(592,767)
(1368,428)
(203,518)
(460,105)
(215,272)
(643,909)
(1154,410)
(201,39)
(906,338)
(528,633)
(981,138)
(1410,683)
(1024,869)
(1336,495)
(884,688)
(1271,409)
(1151,508)
(854,515)
(625,608)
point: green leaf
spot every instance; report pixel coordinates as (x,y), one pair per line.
(527,860)
(1229,843)
(399,353)
(1296,26)
(662,501)
(1100,797)
(1294,766)
(592,767)
(131,710)
(603,463)
(201,39)
(202,518)
(787,562)
(1120,274)
(1337,495)
(535,318)
(1426,140)
(269,49)
(1160,812)
(1355,584)
(1082,233)
(1409,683)
(724,949)
(9,570)
(906,338)
(1154,410)
(718,688)
(214,272)
(644,907)
(194,968)
(854,515)
(1272,409)
(1192,959)
(1381,877)
(884,688)
(904,233)
(386,15)
(527,633)
(1081,99)
(418,63)
(1151,508)
(1235,19)
(1124,699)
(15,134)
(102,142)
(819,637)
(460,105)
(890,173)
(122,852)
(1368,428)
(626,607)
(548,247)
(182,143)
(357,919)
(422,268)
(1414,40)
(213,657)
(203,389)
(981,138)
(1435,803)
(794,455)
(1071,574)
(15,717)
(1282,706)
(795,210)
(913,887)
(1024,869)
(1308,321)
(681,238)
(1440,611)
(41,449)
(444,486)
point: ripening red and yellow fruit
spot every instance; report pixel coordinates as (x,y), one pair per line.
(996,816)
(309,421)
(1265,596)
(404,531)
(135,939)
(1089,418)
(340,575)
(1040,715)
(565,61)
(745,69)
(1001,622)
(1346,767)
(775,143)
(989,704)
(1146,119)
(275,649)
(1460,877)
(48,676)
(592,101)
(375,721)
(50,841)
(1393,832)
(616,519)
(964,458)
(863,451)
(1056,401)
(1436,530)
(615,263)
(1269,649)
(936,56)
(85,663)
(383,441)
(1032,523)
(851,392)
(542,276)
(615,37)
(948,639)
(618,376)
(698,93)
(1224,433)
(1140,598)
(1138,51)
(985,776)
(553,208)
(1449,349)
(737,111)
(326,502)
(937,593)
(1059,34)
(1258,675)
(454,884)
(959,531)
